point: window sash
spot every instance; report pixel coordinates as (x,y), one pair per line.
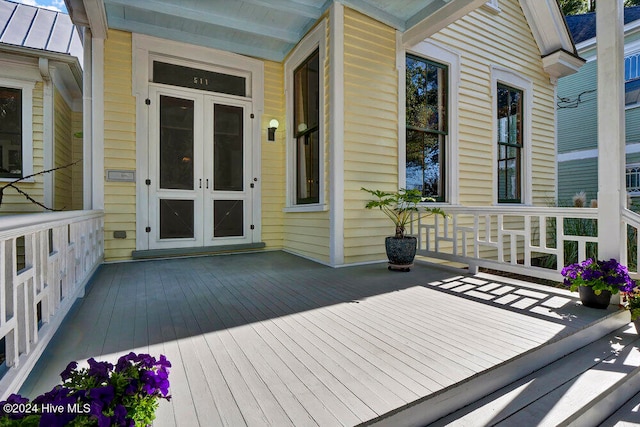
(11,145)
(510,116)
(306,118)
(427,126)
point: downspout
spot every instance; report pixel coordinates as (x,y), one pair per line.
(47,132)
(87,115)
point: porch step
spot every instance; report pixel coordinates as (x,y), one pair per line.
(582,388)
(494,396)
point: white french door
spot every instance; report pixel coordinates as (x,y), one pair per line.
(200,192)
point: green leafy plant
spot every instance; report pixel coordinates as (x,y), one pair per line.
(125,394)
(631,302)
(400,205)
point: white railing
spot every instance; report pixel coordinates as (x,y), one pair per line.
(525,240)
(46,260)
(630,255)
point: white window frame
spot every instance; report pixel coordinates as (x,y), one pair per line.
(27,124)
(515,80)
(442,55)
(316,39)
(626,171)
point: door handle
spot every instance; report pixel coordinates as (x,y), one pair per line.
(207,183)
(200,183)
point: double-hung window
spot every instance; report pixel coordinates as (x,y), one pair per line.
(306,120)
(426,126)
(510,143)
(11,132)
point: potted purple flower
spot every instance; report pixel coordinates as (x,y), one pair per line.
(124,394)
(597,280)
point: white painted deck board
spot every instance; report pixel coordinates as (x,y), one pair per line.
(272,339)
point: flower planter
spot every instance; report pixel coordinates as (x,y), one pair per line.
(590,299)
(636,323)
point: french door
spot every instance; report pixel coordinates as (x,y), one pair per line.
(200,192)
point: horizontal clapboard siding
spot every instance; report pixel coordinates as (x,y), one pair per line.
(119,145)
(504,40)
(371,131)
(63,154)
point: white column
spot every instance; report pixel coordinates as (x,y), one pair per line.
(611,132)
(87,132)
(97,125)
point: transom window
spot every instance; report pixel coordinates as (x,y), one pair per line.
(632,79)
(11,133)
(510,143)
(306,119)
(427,126)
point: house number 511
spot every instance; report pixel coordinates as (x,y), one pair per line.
(201,81)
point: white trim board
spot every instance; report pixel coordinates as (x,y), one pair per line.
(593,153)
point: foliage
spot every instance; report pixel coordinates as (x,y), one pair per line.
(631,301)
(599,275)
(575,7)
(400,205)
(126,394)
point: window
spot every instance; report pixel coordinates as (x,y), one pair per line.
(304,74)
(306,121)
(633,179)
(632,79)
(426,126)
(10,132)
(510,143)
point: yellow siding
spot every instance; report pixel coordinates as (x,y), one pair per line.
(273,157)
(12,201)
(504,40)
(63,154)
(371,131)
(307,233)
(76,170)
(119,145)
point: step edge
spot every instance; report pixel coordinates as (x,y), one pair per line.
(448,400)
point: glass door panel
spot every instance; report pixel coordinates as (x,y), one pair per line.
(176,219)
(228,218)
(176,143)
(228,139)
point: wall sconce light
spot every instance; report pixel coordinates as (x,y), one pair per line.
(273,125)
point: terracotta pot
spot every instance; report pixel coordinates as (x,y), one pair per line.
(590,299)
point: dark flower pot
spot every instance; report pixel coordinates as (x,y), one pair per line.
(636,323)
(590,299)
(401,252)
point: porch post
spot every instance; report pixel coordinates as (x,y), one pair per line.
(611,127)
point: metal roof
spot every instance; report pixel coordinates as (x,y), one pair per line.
(37,28)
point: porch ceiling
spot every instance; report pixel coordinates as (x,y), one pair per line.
(266,29)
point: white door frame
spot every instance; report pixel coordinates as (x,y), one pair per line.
(143,49)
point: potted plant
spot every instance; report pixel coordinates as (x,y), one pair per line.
(124,394)
(399,207)
(631,301)
(597,280)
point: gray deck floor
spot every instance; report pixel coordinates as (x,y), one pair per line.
(273,339)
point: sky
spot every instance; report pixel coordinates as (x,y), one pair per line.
(57,5)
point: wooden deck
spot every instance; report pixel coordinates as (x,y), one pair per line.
(273,339)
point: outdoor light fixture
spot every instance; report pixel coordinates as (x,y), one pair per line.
(273,125)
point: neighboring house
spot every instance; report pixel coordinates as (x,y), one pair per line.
(454,98)
(40,108)
(577,111)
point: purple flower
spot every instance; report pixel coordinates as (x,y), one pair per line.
(102,394)
(600,275)
(99,370)
(66,374)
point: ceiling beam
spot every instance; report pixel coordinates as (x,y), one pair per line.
(209,18)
